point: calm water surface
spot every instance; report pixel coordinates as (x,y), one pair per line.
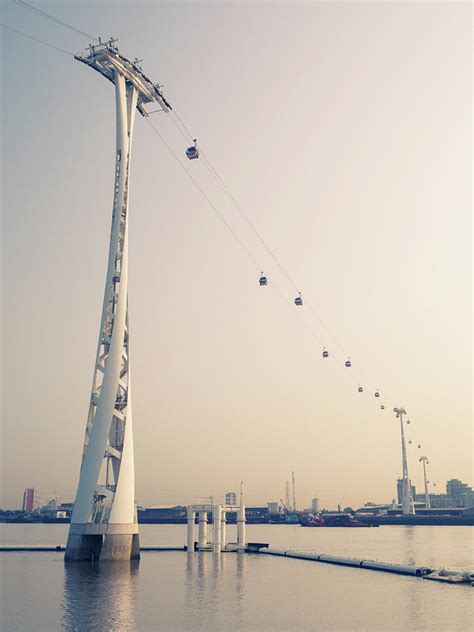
(175,592)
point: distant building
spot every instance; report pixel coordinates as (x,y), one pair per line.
(52,505)
(315,505)
(231,498)
(28,499)
(438,501)
(273,508)
(400,490)
(460,492)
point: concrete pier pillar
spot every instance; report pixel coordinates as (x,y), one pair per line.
(102,542)
(202,536)
(223,531)
(216,516)
(190,538)
(241,527)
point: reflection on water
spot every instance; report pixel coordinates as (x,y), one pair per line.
(229,592)
(104,589)
(410,552)
(208,592)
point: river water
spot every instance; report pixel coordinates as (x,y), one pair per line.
(174,591)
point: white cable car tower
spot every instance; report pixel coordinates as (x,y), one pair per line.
(408,507)
(104,520)
(424,460)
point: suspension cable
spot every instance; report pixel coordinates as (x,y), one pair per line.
(26,5)
(249,222)
(36,39)
(186,133)
(244,247)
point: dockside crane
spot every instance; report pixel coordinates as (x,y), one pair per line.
(293,489)
(287,496)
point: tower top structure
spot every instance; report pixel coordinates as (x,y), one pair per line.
(106,58)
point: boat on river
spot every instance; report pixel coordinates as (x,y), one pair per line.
(336,519)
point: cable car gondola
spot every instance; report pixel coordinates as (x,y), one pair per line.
(377,394)
(263,279)
(408,421)
(360,389)
(419,445)
(382,407)
(347,363)
(193,152)
(325,353)
(299,300)
(409,440)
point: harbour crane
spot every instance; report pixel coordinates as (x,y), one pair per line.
(287,495)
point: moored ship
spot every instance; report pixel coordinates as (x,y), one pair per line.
(337,519)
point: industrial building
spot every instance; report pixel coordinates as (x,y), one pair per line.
(28,499)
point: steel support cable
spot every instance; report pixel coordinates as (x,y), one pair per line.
(243,246)
(249,254)
(48,16)
(310,330)
(221,217)
(184,131)
(187,135)
(36,39)
(203,193)
(211,168)
(209,165)
(232,198)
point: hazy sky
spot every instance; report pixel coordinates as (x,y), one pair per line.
(344,131)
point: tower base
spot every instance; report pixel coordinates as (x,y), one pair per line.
(113,542)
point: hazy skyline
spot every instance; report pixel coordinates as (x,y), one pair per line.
(343,130)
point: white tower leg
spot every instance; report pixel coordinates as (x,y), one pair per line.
(190,538)
(202,536)
(104,523)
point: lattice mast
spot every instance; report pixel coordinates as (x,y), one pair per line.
(293,490)
(287,495)
(104,523)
